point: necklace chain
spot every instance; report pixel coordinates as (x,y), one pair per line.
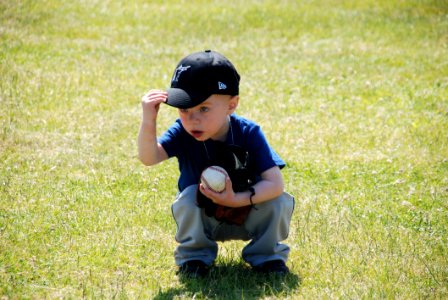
(231,134)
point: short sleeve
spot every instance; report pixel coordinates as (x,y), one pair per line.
(263,156)
(170,139)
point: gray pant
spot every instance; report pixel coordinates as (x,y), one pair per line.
(265,226)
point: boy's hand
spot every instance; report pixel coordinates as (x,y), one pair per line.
(151,104)
(225,198)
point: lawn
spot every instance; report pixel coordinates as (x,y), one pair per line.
(352,94)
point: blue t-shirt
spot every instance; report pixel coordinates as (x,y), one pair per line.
(193,156)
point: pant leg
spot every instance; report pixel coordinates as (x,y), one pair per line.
(194,243)
(268,225)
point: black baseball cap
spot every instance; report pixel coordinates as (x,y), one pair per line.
(200,75)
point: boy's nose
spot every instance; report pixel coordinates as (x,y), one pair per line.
(194,116)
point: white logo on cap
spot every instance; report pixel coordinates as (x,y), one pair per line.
(221,85)
(179,71)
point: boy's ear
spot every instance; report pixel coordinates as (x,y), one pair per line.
(233,103)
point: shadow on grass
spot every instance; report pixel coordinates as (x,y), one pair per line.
(233,282)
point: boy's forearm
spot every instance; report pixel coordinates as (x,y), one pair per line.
(147,144)
(270,187)
(264,191)
(149,151)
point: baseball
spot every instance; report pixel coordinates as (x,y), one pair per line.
(214,178)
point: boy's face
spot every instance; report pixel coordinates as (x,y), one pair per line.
(209,120)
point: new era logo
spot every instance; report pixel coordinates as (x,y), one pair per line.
(221,85)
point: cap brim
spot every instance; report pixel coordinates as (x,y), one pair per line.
(178,98)
(181,99)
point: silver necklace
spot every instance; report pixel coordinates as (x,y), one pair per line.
(231,134)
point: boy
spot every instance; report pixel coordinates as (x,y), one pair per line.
(205,89)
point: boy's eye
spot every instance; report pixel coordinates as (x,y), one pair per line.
(183,110)
(204,109)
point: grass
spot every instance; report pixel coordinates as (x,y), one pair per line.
(352,94)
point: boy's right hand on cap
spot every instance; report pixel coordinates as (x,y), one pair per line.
(151,104)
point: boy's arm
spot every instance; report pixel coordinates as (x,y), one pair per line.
(269,187)
(149,151)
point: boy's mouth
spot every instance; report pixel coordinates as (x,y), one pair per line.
(197,133)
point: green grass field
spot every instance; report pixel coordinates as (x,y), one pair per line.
(352,94)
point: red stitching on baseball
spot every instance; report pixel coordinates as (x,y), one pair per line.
(219,169)
(208,186)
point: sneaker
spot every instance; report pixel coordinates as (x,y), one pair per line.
(193,268)
(277,267)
